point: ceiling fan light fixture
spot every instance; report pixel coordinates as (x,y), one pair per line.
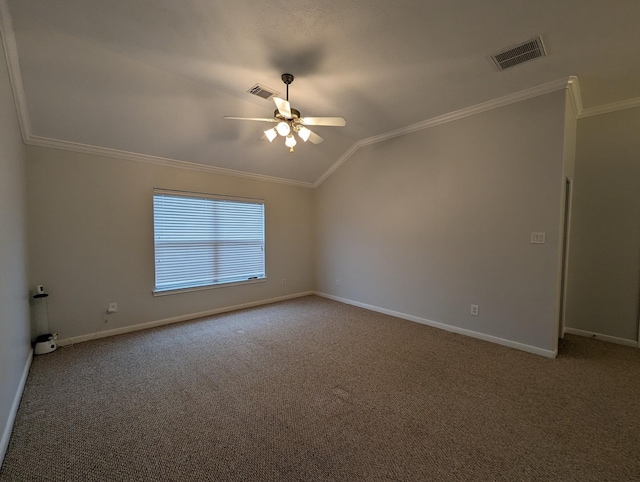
(271,134)
(304,133)
(289,121)
(290,141)
(283,129)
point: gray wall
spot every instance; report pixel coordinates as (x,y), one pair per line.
(14,305)
(604,262)
(432,222)
(91,239)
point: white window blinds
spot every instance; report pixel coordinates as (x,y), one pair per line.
(202,240)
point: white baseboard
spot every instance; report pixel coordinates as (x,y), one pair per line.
(6,434)
(598,336)
(442,326)
(176,319)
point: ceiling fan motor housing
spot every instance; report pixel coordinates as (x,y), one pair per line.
(287,78)
(295,114)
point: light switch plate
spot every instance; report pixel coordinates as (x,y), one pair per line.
(538,237)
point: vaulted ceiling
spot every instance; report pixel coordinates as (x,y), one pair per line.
(156,77)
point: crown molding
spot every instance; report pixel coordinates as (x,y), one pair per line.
(608,108)
(452,116)
(15,75)
(161,161)
(13,66)
(343,158)
(576,99)
(7,34)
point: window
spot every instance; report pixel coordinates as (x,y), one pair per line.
(205,240)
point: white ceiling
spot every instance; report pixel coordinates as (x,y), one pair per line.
(156,77)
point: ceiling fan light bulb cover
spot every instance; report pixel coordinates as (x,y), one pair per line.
(304,133)
(290,141)
(271,134)
(283,129)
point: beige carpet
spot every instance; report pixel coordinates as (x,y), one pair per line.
(311,389)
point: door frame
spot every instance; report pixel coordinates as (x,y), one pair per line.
(566,238)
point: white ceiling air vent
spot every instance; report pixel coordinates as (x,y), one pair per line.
(512,56)
(262,91)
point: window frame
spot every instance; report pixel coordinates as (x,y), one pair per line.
(213,197)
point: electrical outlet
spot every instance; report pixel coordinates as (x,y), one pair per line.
(337,282)
(475,310)
(112,308)
(284,281)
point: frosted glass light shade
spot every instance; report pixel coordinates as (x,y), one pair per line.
(271,134)
(290,141)
(283,129)
(304,134)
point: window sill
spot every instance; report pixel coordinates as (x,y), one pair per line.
(208,287)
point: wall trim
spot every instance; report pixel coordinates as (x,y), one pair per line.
(161,161)
(608,108)
(599,336)
(17,85)
(8,36)
(15,75)
(177,319)
(443,326)
(526,94)
(8,428)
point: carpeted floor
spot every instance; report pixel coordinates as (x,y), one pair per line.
(311,389)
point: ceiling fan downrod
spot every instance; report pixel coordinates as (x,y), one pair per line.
(287,79)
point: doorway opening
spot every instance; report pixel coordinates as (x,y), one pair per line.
(568,186)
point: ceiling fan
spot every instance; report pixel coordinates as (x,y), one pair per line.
(289,121)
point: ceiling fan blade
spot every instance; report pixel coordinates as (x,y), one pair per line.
(283,107)
(259,119)
(323,121)
(315,138)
